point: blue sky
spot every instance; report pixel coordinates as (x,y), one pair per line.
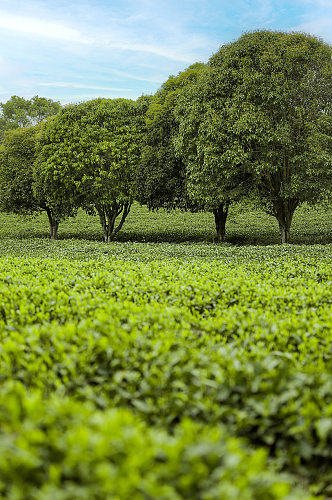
(74,50)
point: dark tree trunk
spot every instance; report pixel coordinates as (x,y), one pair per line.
(284,232)
(108,215)
(284,211)
(220,217)
(54,224)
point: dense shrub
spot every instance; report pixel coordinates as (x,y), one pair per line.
(61,449)
(219,336)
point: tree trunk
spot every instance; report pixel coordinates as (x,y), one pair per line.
(102,218)
(220,217)
(284,233)
(108,215)
(54,224)
(284,211)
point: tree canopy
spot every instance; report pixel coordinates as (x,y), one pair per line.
(161,178)
(259,119)
(17,159)
(20,112)
(17,156)
(89,157)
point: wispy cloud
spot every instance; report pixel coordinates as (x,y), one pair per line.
(73,85)
(168,53)
(129,47)
(122,39)
(40,28)
(317,19)
(7,68)
(132,76)
(259,13)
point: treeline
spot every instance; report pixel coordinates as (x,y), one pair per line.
(255,121)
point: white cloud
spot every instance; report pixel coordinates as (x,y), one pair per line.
(149,48)
(317,20)
(122,38)
(82,86)
(106,45)
(261,12)
(40,28)
(135,77)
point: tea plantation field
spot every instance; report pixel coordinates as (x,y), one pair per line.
(168,367)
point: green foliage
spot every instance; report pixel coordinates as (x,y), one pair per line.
(89,157)
(17,157)
(18,154)
(216,335)
(20,112)
(63,449)
(161,178)
(259,118)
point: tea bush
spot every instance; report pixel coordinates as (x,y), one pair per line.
(155,370)
(61,449)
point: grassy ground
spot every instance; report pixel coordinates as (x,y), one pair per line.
(245,226)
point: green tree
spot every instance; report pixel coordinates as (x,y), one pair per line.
(264,111)
(200,142)
(20,112)
(89,157)
(17,157)
(161,179)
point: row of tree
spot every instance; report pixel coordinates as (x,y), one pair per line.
(255,121)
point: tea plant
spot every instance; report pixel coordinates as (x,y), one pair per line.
(160,370)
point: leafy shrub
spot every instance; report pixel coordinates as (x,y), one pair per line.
(60,449)
(171,337)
